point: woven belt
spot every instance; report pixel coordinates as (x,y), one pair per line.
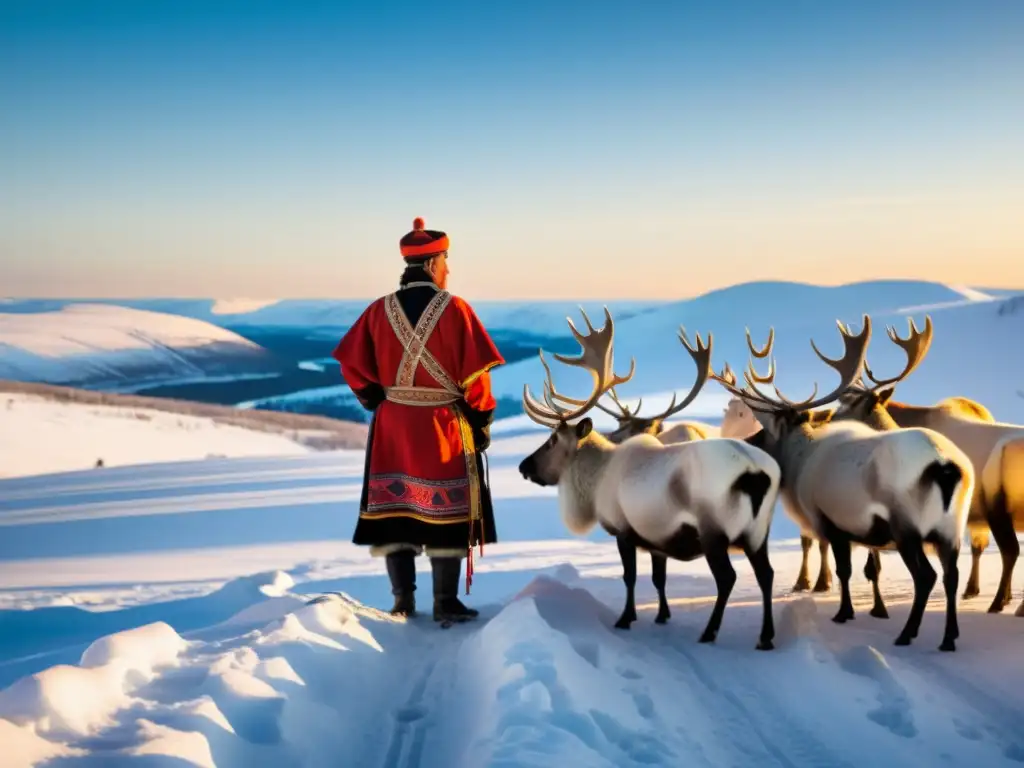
(420,396)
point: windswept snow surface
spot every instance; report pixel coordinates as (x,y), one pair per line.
(40,435)
(114,347)
(163,613)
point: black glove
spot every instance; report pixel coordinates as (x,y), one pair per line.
(482,439)
(371,396)
(480,422)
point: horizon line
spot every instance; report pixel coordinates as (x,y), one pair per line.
(956,288)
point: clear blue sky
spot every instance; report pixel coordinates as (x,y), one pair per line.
(655,149)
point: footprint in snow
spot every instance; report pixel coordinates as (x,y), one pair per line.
(629,674)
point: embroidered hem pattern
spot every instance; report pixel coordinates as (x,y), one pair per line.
(429,501)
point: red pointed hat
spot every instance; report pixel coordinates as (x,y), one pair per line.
(422,243)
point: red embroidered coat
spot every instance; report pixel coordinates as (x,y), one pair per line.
(432,402)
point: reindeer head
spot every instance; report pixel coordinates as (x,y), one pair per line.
(546,465)
(738,421)
(781,416)
(868,404)
(630,421)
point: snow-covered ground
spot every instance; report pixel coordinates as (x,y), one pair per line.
(115,347)
(164,611)
(40,435)
(214,613)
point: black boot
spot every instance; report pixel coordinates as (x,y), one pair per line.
(402,570)
(447,606)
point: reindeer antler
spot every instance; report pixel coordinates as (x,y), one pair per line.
(915,346)
(701,355)
(849,367)
(596,357)
(625,413)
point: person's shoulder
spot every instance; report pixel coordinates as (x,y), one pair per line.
(378,302)
(460,303)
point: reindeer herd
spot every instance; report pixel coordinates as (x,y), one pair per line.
(851,467)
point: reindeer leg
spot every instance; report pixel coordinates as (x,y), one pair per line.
(979,542)
(872,570)
(824,582)
(765,576)
(948,556)
(911,549)
(803,579)
(844,570)
(1001,525)
(627,553)
(659,575)
(716,552)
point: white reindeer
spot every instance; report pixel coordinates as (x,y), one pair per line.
(740,422)
(995,449)
(737,422)
(703,497)
(852,484)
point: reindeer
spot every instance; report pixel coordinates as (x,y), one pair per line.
(684,500)
(740,422)
(631,423)
(995,449)
(852,484)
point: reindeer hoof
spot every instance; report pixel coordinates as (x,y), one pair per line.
(802,585)
(1020,610)
(970,592)
(623,623)
(842,617)
(997,606)
(823,586)
(708,636)
(948,645)
(903,640)
(661,619)
(765,645)
(880,612)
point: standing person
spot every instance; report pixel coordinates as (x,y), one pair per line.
(419,359)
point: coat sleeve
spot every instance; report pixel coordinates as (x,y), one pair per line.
(358,359)
(477,355)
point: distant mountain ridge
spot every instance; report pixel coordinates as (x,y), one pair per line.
(283,361)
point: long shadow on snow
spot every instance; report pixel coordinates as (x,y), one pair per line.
(527,518)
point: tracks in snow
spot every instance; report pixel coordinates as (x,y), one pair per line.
(760,723)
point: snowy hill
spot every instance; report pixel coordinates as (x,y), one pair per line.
(162,615)
(111,347)
(58,429)
(975,353)
(331,316)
